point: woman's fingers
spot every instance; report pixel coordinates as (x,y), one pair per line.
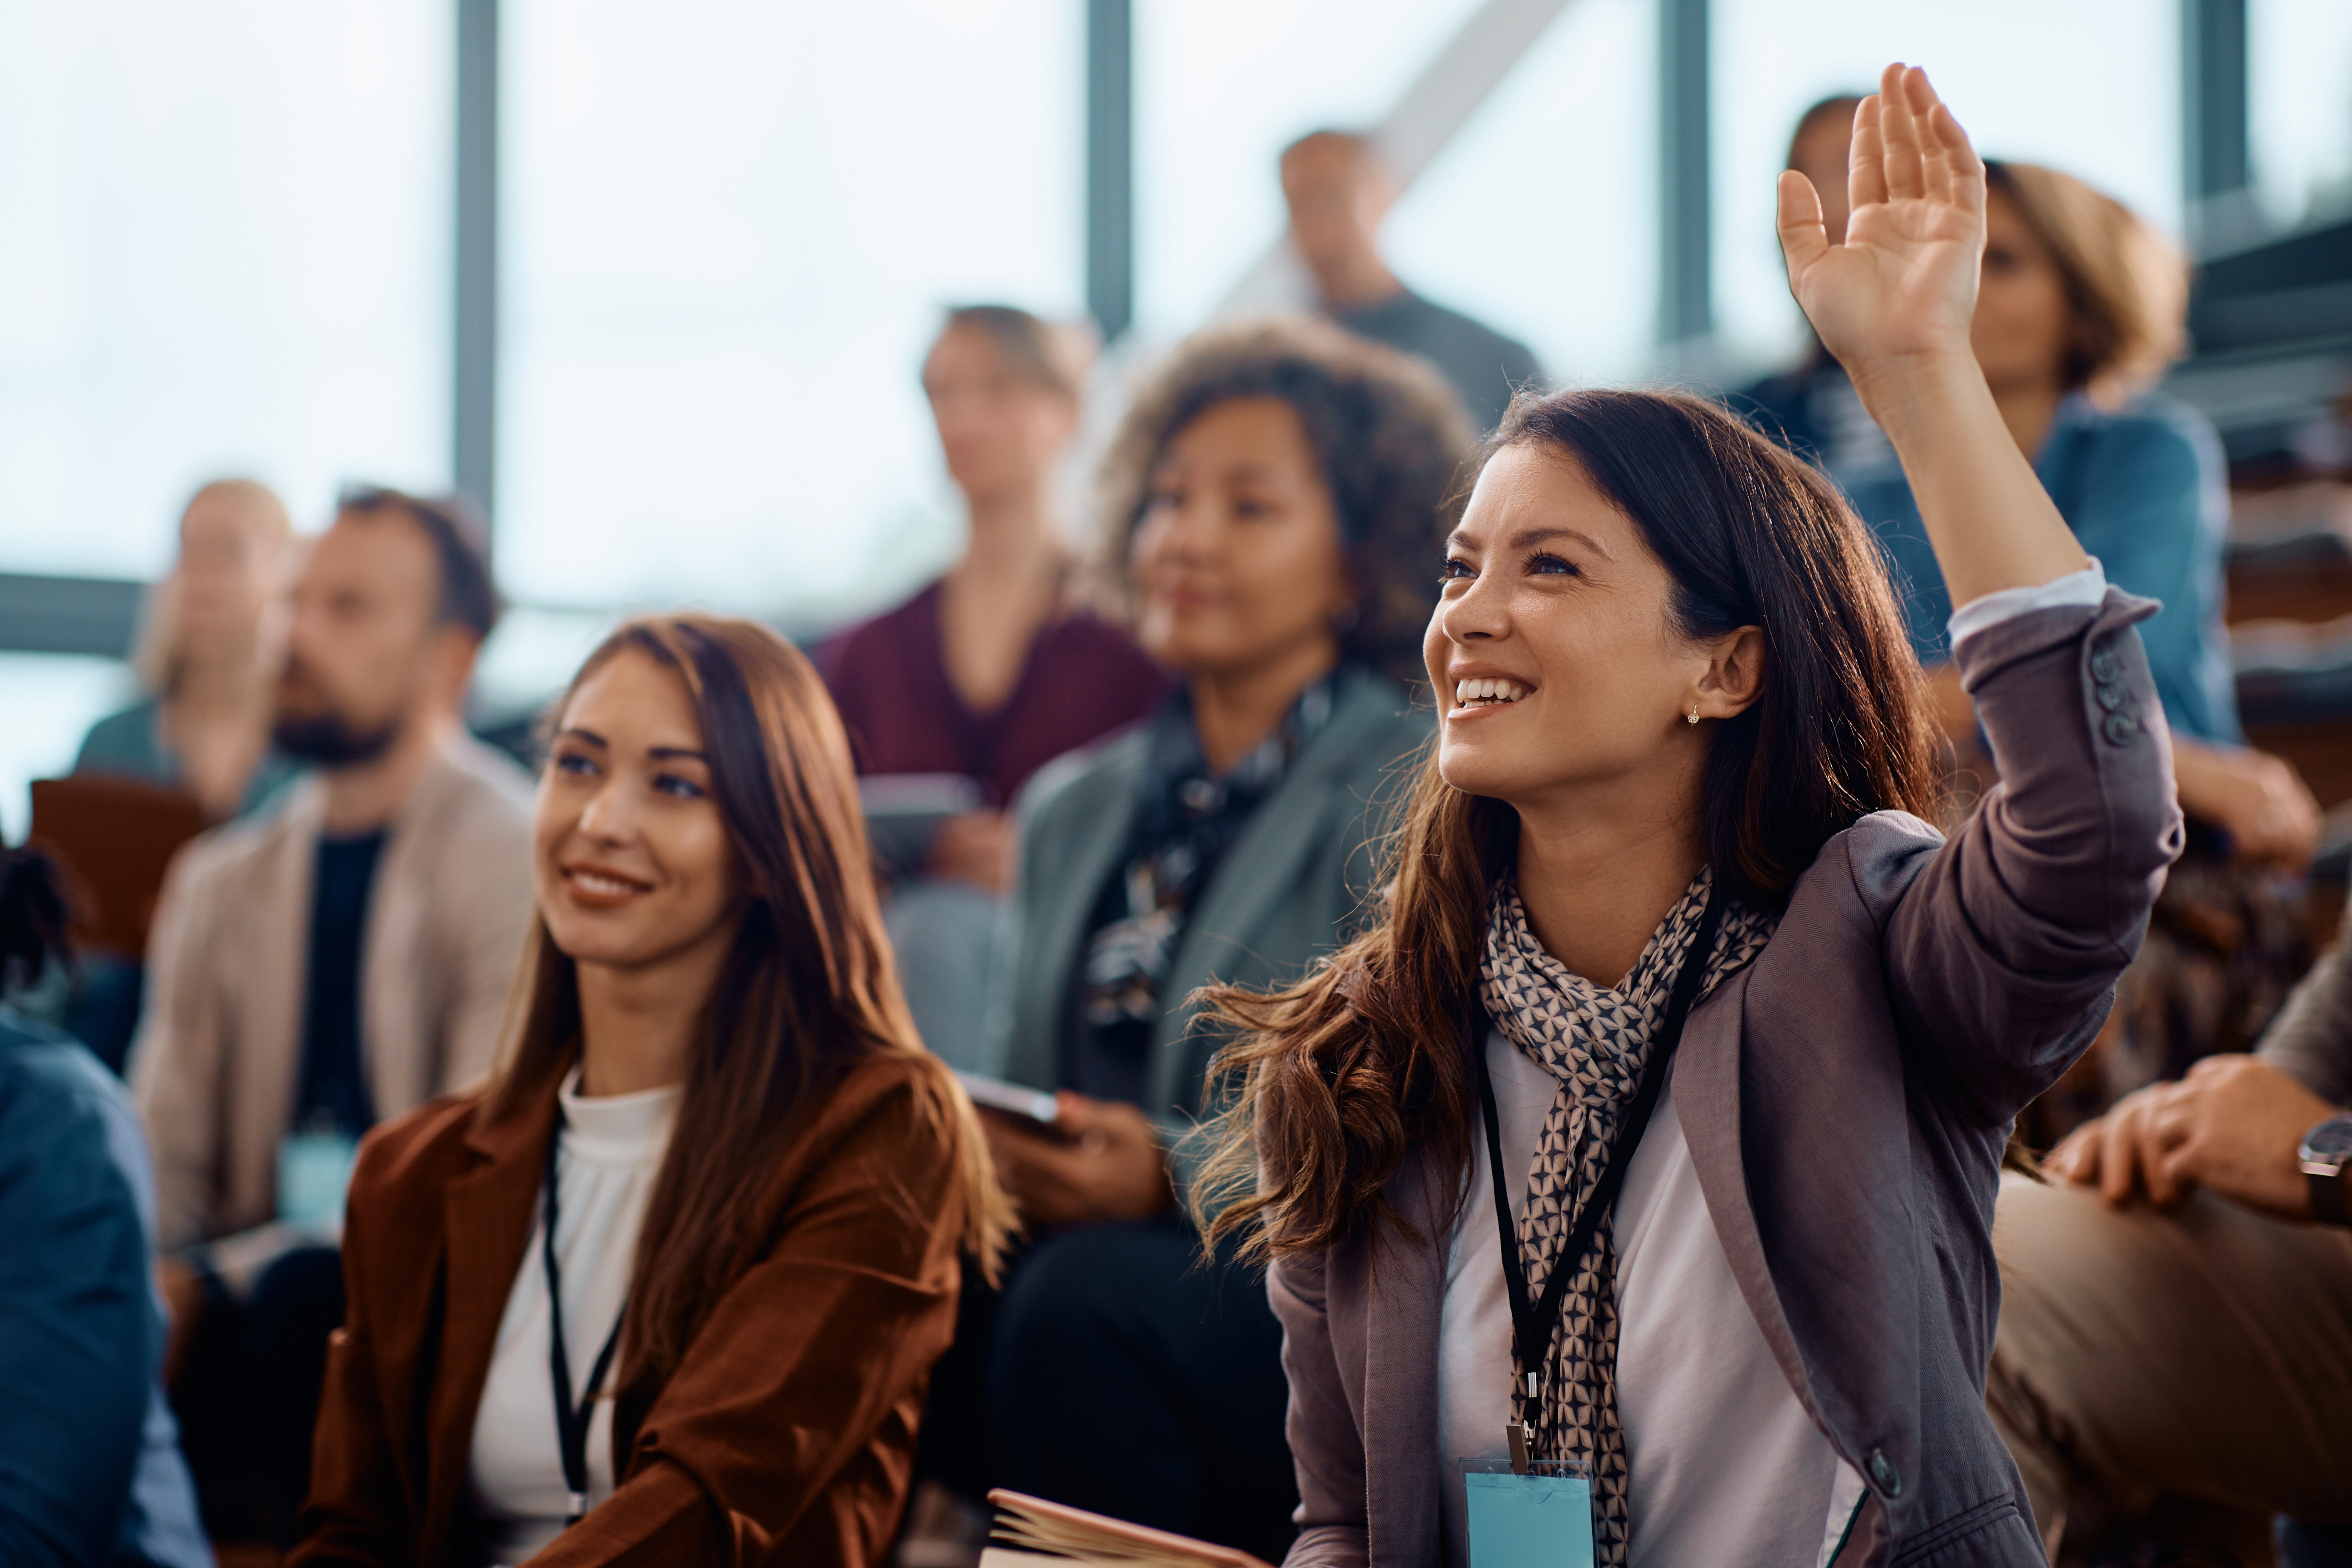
(2076,1158)
(1961,172)
(1804,238)
(1906,175)
(1866,162)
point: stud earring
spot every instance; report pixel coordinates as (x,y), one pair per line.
(1693,713)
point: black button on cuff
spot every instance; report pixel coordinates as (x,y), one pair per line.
(1884,1474)
(2105,663)
(2121,729)
(2111,697)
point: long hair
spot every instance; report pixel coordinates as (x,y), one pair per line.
(808,989)
(1332,1080)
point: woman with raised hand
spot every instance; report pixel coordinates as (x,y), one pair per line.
(667,1289)
(1657,1123)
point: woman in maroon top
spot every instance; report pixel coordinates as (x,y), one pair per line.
(993,670)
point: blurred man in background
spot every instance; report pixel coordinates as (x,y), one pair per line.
(1338,192)
(341,960)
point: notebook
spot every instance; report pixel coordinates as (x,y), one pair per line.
(1032,1531)
(113,838)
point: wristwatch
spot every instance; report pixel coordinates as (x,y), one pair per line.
(2325,1151)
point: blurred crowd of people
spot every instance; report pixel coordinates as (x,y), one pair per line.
(737,965)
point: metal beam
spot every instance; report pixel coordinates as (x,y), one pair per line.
(68,614)
(2216,171)
(1426,117)
(474,351)
(1686,250)
(1110,164)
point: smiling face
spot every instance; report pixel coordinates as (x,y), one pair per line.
(1559,670)
(633,861)
(1237,561)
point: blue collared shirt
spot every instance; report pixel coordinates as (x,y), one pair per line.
(2145,490)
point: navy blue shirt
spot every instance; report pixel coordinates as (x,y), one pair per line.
(89,1459)
(333,1093)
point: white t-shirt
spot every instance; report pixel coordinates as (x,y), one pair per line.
(1724,1465)
(609,1154)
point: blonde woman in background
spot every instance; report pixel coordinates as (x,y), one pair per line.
(2082,308)
(207,657)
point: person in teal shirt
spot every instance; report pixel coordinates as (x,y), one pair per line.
(208,656)
(2143,488)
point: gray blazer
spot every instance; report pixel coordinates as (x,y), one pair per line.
(1285,892)
(1846,1098)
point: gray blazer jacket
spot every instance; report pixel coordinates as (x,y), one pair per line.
(1285,892)
(1846,1098)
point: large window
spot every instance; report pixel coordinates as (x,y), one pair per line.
(1542,215)
(2094,90)
(226,248)
(1502,225)
(2299,101)
(731,228)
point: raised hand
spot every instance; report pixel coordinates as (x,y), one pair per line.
(1904,284)
(1893,303)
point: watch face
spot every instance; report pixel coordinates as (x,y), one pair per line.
(2330,1142)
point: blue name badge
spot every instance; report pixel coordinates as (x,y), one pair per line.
(314,1169)
(1541,1520)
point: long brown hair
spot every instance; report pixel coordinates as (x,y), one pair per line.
(808,989)
(1332,1080)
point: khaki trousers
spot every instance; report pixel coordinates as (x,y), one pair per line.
(2152,1364)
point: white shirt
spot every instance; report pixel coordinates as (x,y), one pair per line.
(610,1153)
(1723,1464)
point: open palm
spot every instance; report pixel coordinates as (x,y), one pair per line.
(1904,284)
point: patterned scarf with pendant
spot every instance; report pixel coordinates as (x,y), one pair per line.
(1596,1041)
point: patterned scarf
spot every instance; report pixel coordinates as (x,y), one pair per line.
(1596,1042)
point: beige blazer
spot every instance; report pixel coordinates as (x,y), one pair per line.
(217,1058)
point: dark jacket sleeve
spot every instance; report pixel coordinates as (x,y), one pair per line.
(808,1355)
(2003,951)
(80,1333)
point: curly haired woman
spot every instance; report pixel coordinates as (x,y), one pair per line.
(1276,499)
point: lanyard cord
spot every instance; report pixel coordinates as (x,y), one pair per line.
(1534,1323)
(572,1418)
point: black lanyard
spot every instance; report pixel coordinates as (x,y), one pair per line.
(572,1417)
(1534,1323)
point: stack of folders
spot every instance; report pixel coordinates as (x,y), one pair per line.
(1032,1531)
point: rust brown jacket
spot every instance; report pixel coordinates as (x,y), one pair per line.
(786,1433)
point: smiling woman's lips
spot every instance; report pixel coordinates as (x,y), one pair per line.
(601,889)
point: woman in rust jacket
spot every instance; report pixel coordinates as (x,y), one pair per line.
(669,1289)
